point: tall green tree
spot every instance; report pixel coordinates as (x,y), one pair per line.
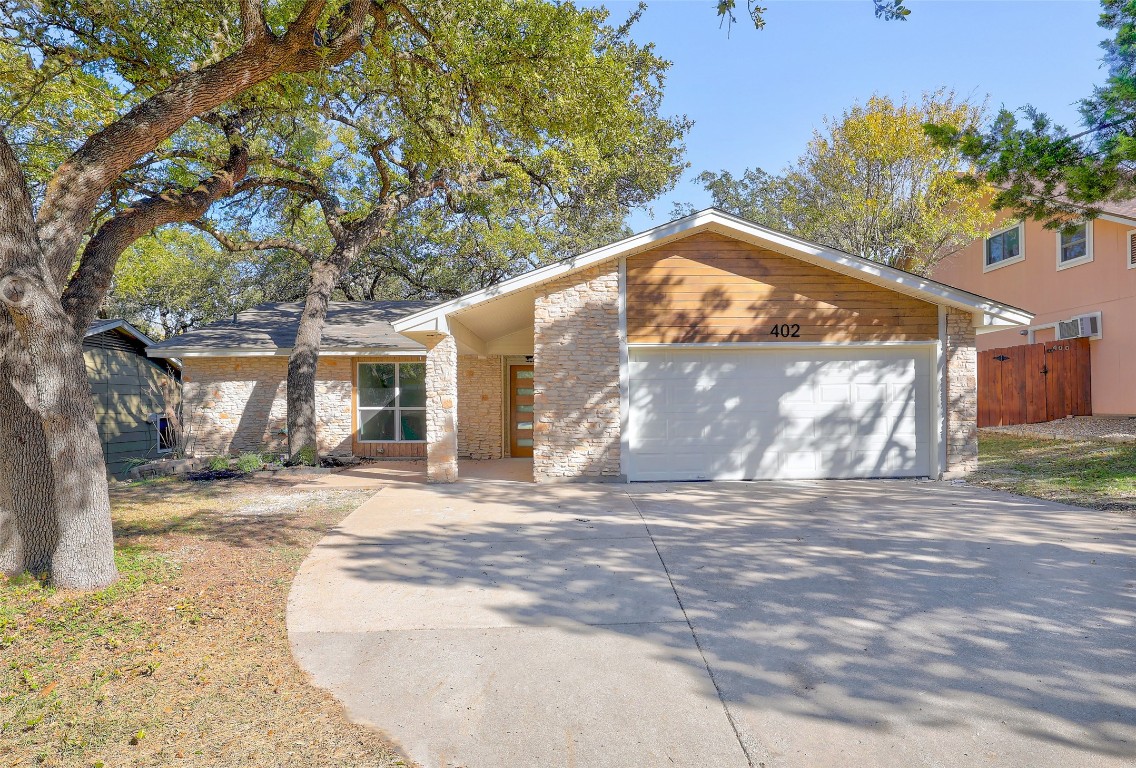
(1045,171)
(506,111)
(172,87)
(176,279)
(873,183)
(437,253)
(146,72)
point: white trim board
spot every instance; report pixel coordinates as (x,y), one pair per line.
(776,344)
(1086,259)
(624,376)
(285,352)
(714,220)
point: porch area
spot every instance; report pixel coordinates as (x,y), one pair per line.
(378,474)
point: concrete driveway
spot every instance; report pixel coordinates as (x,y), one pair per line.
(493,624)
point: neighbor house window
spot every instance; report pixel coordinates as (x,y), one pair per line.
(1004,247)
(392,402)
(1074,246)
(166,437)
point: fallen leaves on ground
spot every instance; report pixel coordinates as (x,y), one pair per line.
(185,659)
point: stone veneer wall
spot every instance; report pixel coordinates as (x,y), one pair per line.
(576,376)
(233,404)
(441,410)
(481,398)
(962,394)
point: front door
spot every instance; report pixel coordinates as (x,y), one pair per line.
(521,411)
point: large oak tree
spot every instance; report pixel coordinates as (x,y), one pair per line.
(528,110)
(166,67)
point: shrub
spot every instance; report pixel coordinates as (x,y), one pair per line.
(217,463)
(307,457)
(250,462)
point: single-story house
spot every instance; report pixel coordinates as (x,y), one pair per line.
(136,397)
(705,348)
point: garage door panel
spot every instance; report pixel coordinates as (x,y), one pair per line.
(763,414)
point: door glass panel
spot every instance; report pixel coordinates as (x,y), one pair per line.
(525,442)
(524,425)
(524,374)
(522,391)
(413,425)
(412,385)
(376,425)
(524,409)
(376,385)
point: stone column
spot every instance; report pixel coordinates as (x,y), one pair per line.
(962,395)
(576,430)
(441,410)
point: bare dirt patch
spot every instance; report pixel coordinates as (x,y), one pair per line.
(186,660)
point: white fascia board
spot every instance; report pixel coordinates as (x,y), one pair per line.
(430,318)
(423,322)
(736,345)
(725,223)
(282,352)
(1127,221)
(878,274)
(122,325)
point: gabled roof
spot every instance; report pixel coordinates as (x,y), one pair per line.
(715,220)
(117,324)
(356,327)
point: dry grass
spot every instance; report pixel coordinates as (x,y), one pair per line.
(186,659)
(1085,473)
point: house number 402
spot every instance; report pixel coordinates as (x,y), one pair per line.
(786,331)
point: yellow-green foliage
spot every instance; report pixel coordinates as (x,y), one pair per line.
(872,182)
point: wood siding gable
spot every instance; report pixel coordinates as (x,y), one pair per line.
(713,288)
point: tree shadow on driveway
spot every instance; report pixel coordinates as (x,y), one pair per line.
(904,615)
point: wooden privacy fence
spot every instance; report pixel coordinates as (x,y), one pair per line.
(1033,383)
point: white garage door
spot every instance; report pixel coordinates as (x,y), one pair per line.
(714,414)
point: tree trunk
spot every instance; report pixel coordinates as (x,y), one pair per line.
(42,370)
(29,531)
(303,442)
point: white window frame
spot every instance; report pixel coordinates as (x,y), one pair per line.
(1021,227)
(1128,248)
(397,409)
(157,421)
(1088,249)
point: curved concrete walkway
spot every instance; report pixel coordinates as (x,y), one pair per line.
(494,623)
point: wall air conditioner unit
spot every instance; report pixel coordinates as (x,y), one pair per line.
(1080,327)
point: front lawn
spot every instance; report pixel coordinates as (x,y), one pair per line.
(186,659)
(1085,473)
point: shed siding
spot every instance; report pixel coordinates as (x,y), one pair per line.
(126,390)
(712,288)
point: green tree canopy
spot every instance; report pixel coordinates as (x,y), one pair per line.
(178,104)
(871,182)
(1045,171)
(177,278)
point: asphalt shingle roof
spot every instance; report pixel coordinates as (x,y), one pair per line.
(272,326)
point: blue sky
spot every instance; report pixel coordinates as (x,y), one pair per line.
(756,96)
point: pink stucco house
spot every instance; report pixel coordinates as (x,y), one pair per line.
(1081,283)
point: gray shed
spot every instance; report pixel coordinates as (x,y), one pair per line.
(137,398)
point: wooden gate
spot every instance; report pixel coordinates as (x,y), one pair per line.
(1033,383)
